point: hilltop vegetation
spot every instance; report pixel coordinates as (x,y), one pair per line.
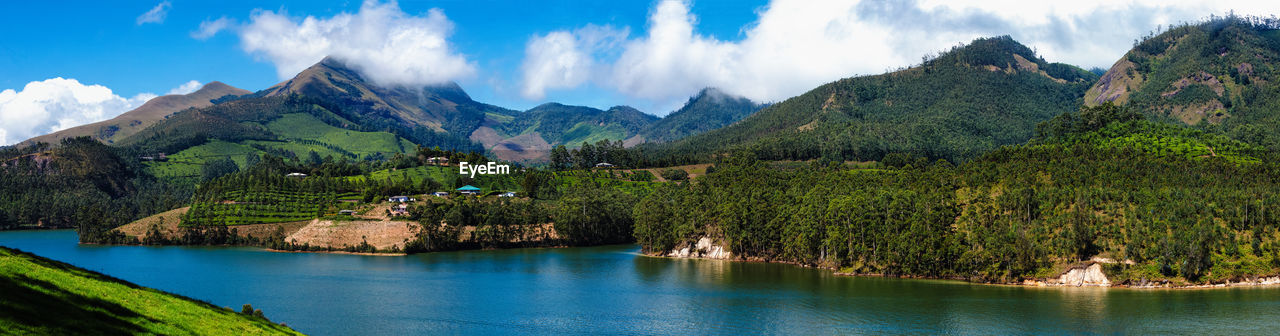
(47,297)
(965,102)
(1216,74)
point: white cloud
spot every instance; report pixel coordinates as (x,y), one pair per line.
(209,28)
(56,104)
(796,45)
(384,43)
(156,14)
(563,59)
(185,88)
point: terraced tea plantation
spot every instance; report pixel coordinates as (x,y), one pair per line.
(614,180)
(238,207)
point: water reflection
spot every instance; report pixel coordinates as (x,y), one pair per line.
(613,290)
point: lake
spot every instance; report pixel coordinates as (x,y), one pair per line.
(613,290)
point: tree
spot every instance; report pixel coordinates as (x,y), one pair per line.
(534,182)
(675,174)
(560,158)
(217,168)
(251,160)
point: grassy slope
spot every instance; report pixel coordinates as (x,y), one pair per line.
(42,296)
(304,126)
(586,132)
(188,162)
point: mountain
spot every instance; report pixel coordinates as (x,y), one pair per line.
(153,110)
(971,99)
(531,134)
(709,110)
(287,126)
(443,107)
(1220,73)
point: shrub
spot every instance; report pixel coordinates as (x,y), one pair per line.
(675,174)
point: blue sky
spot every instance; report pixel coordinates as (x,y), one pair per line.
(100,42)
(66,64)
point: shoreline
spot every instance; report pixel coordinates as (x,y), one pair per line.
(379,254)
(1262,282)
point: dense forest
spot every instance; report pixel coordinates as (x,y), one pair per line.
(81,183)
(1175,203)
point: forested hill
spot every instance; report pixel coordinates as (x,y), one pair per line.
(1221,72)
(968,100)
(1153,201)
(710,109)
(565,124)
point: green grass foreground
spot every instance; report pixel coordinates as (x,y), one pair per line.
(39,296)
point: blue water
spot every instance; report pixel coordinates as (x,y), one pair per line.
(612,290)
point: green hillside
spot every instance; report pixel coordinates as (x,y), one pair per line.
(45,297)
(560,124)
(290,126)
(1220,73)
(710,109)
(967,101)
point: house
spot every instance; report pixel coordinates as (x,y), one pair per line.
(347,212)
(469,190)
(507,194)
(400,199)
(296,175)
(438,160)
(604,165)
(440,194)
(160,158)
(400,209)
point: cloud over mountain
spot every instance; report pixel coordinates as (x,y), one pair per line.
(59,103)
(55,104)
(796,45)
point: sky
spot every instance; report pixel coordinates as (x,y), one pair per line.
(65,63)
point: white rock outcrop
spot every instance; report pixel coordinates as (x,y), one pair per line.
(1088,276)
(704,248)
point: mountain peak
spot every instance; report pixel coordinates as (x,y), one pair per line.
(999,51)
(215,87)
